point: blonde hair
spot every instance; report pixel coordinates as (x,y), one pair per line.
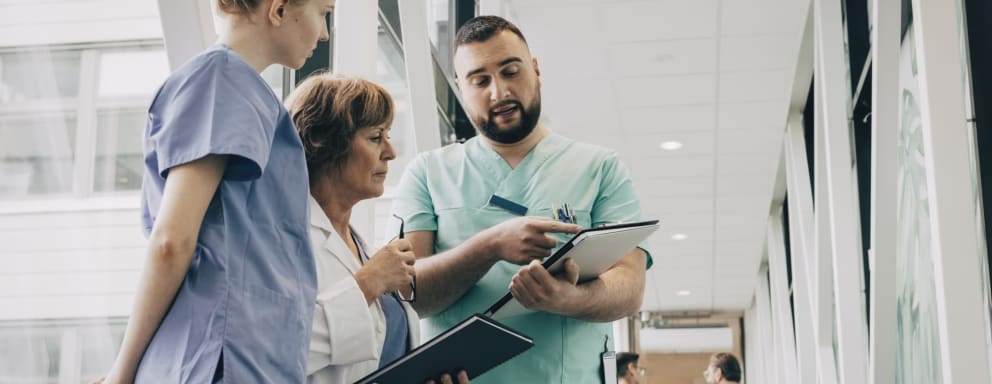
(244,7)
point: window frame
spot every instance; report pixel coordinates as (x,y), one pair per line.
(85,107)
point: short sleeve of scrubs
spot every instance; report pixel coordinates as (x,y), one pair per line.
(413,198)
(617,201)
(208,114)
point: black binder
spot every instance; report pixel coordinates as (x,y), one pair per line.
(475,345)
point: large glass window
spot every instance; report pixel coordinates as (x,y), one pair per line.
(131,72)
(72,117)
(58,351)
(976,184)
(441,30)
(39,74)
(73,105)
(391,73)
(119,164)
(918,338)
(37,152)
(123,96)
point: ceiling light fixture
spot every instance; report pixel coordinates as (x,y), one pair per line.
(683,292)
(671,145)
(680,236)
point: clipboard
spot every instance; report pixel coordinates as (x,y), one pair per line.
(595,250)
(456,349)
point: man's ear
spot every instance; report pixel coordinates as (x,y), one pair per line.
(276,12)
(537,70)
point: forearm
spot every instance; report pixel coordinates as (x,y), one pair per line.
(615,294)
(187,194)
(445,277)
(165,269)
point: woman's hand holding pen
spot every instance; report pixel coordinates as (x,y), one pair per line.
(524,239)
(390,269)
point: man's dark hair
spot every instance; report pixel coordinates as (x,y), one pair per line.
(728,365)
(623,362)
(482,28)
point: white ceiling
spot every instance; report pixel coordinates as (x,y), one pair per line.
(714,74)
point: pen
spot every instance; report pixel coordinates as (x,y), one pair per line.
(413,284)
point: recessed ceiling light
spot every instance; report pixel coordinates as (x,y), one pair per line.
(680,236)
(683,293)
(671,145)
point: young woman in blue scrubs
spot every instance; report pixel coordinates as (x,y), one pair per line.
(228,285)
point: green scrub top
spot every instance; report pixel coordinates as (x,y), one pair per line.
(447,191)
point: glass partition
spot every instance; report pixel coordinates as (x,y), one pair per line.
(918,355)
(72,113)
(391,74)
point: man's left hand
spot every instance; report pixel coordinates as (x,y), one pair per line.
(536,289)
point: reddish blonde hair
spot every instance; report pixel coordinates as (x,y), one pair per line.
(328,110)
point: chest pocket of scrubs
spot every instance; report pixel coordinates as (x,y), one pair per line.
(583,219)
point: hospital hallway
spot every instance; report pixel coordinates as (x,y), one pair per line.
(818,171)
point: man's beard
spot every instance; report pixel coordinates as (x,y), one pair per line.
(512,134)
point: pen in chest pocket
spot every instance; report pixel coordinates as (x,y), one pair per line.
(563,214)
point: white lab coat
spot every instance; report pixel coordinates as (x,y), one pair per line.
(348,334)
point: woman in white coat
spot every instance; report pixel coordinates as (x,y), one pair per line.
(360,322)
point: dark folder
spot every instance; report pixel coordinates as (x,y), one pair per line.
(475,345)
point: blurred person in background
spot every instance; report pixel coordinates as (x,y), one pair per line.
(628,372)
(723,369)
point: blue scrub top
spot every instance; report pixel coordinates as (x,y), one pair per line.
(249,292)
(447,190)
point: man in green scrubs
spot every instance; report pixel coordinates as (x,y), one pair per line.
(471,251)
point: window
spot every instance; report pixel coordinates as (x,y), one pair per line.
(119,165)
(73,116)
(918,338)
(391,74)
(38,74)
(123,96)
(37,152)
(73,102)
(441,31)
(58,352)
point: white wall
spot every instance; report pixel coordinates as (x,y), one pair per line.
(69,264)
